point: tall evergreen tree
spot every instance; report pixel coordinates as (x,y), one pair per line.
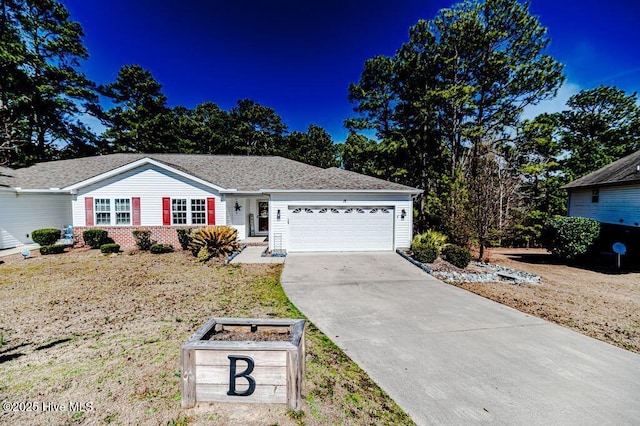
(314,147)
(140,120)
(212,131)
(600,126)
(454,90)
(255,129)
(43,94)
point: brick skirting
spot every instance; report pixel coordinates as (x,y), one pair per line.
(122,235)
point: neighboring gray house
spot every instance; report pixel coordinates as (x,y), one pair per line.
(609,195)
(297,206)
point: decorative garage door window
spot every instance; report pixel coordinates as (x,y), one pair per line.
(348,210)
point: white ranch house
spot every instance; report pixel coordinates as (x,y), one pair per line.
(300,208)
(609,195)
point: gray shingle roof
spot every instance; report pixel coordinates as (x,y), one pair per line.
(339,179)
(6,177)
(244,173)
(620,172)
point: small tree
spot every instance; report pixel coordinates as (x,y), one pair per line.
(143,238)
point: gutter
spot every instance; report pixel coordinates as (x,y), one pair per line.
(19,190)
(569,187)
(372,191)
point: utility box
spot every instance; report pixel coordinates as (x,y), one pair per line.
(244,360)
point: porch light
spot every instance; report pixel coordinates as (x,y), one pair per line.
(403,214)
(237,206)
(278,214)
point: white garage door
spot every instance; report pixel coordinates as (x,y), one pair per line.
(340,228)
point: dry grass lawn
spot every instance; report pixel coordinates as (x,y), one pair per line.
(605,306)
(84,327)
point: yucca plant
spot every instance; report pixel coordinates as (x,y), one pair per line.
(213,241)
(432,238)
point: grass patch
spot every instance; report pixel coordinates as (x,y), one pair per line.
(109,331)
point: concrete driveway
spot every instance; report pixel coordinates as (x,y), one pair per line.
(447,356)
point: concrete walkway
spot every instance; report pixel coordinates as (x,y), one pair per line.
(253,254)
(20,249)
(449,357)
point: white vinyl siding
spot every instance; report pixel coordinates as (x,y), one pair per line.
(237,218)
(402,226)
(619,205)
(151,184)
(21,214)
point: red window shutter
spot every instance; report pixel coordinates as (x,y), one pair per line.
(135,204)
(166,211)
(88,211)
(211,211)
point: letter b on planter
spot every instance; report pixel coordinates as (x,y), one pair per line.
(233,375)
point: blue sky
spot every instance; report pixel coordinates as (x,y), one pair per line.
(299,56)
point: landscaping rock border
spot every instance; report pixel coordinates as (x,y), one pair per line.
(234,254)
(496,273)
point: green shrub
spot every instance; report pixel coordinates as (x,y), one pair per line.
(426,246)
(53,249)
(161,248)
(143,238)
(184,238)
(213,241)
(569,238)
(110,248)
(46,236)
(456,255)
(424,253)
(94,238)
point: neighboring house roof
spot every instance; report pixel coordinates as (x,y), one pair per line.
(623,171)
(242,173)
(6,177)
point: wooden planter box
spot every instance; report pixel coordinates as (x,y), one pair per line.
(252,370)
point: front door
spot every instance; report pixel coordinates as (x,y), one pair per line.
(263,216)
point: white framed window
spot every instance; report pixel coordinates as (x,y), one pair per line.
(188,211)
(113,211)
(198,211)
(179,211)
(123,211)
(103,211)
